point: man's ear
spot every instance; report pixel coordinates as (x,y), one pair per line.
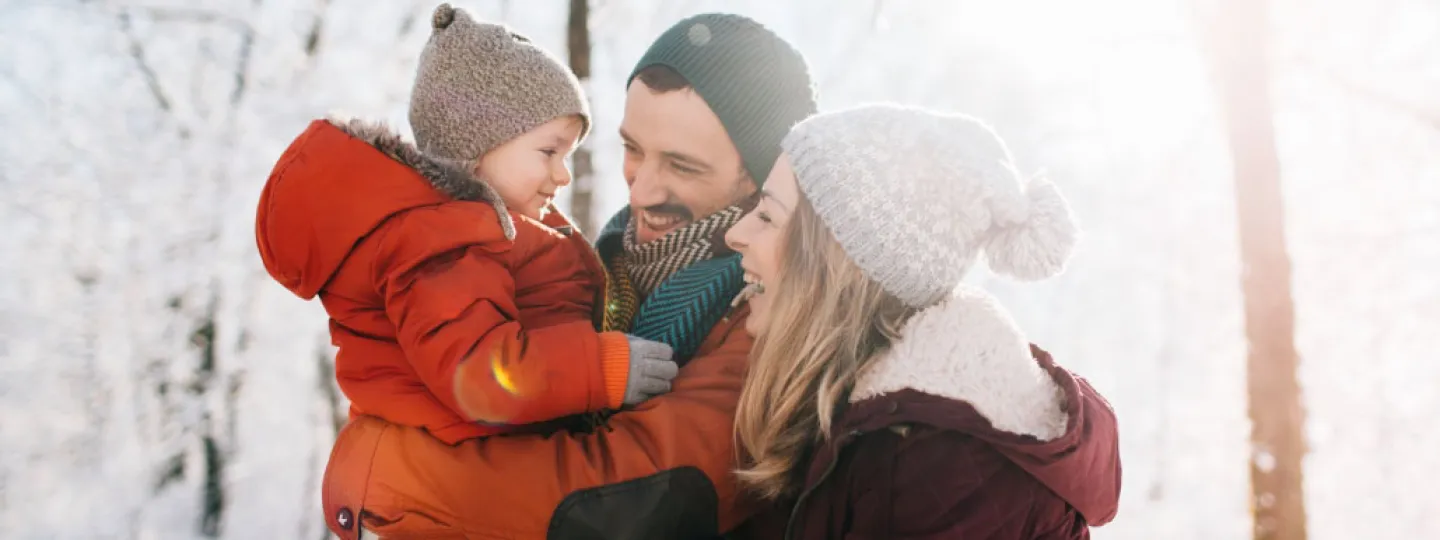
(747,191)
(750,201)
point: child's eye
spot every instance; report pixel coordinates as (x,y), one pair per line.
(550,152)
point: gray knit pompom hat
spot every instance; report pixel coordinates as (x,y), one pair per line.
(479,85)
(914,197)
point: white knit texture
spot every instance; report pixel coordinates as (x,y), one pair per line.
(915,196)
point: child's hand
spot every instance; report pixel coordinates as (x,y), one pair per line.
(651,368)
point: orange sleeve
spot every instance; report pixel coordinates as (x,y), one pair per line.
(692,427)
(452,299)
(674,450)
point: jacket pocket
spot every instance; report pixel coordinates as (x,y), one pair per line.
(344,488)
(677,504)
(405,526)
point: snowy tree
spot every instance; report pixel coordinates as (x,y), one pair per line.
(1239,42)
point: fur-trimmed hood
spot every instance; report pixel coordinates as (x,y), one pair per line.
(338,181)
(967,348)
(963,365)
(451,177)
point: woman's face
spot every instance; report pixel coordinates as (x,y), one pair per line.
(759,238)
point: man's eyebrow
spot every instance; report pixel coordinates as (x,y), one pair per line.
(672,155)
(687,159)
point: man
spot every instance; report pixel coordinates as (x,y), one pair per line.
(706,109)
(704,114)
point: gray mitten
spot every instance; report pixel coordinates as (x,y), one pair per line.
(651,368)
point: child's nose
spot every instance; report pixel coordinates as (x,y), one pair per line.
(562,177)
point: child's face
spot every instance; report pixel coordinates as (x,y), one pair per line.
(529,169)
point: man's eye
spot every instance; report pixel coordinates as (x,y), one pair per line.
(684,170)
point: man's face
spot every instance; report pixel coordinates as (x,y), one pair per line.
(679,161)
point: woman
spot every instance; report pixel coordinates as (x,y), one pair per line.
(883,399)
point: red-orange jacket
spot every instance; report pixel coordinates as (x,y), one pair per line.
(449,315)
(662,470)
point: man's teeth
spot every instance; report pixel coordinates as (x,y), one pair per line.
(655,222)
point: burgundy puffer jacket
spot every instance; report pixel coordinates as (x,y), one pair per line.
(962,430)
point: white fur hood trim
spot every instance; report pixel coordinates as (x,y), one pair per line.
(967,348)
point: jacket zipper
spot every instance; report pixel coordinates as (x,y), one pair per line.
(800,502)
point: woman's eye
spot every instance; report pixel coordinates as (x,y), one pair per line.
(549,152)
(763,217)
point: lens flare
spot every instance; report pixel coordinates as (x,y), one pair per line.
(502,375)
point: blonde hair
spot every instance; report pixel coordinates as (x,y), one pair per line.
(827,322)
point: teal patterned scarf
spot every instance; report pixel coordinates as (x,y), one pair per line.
(688,299)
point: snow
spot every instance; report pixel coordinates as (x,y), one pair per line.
(149,369)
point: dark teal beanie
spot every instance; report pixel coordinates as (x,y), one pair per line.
(754,81)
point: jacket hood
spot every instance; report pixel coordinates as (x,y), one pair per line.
(336,183)
(964,365)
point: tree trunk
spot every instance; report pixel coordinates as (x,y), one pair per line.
(582,192)
(1238,45)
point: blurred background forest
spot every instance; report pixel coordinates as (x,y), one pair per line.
(155,383)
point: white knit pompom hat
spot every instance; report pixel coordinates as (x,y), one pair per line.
(914,196)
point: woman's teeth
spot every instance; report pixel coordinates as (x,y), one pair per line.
(754,287)
(755,281)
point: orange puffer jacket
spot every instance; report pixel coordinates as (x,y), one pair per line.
(449,316)
(660,471)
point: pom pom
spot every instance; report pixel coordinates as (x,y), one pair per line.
(1039,246)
